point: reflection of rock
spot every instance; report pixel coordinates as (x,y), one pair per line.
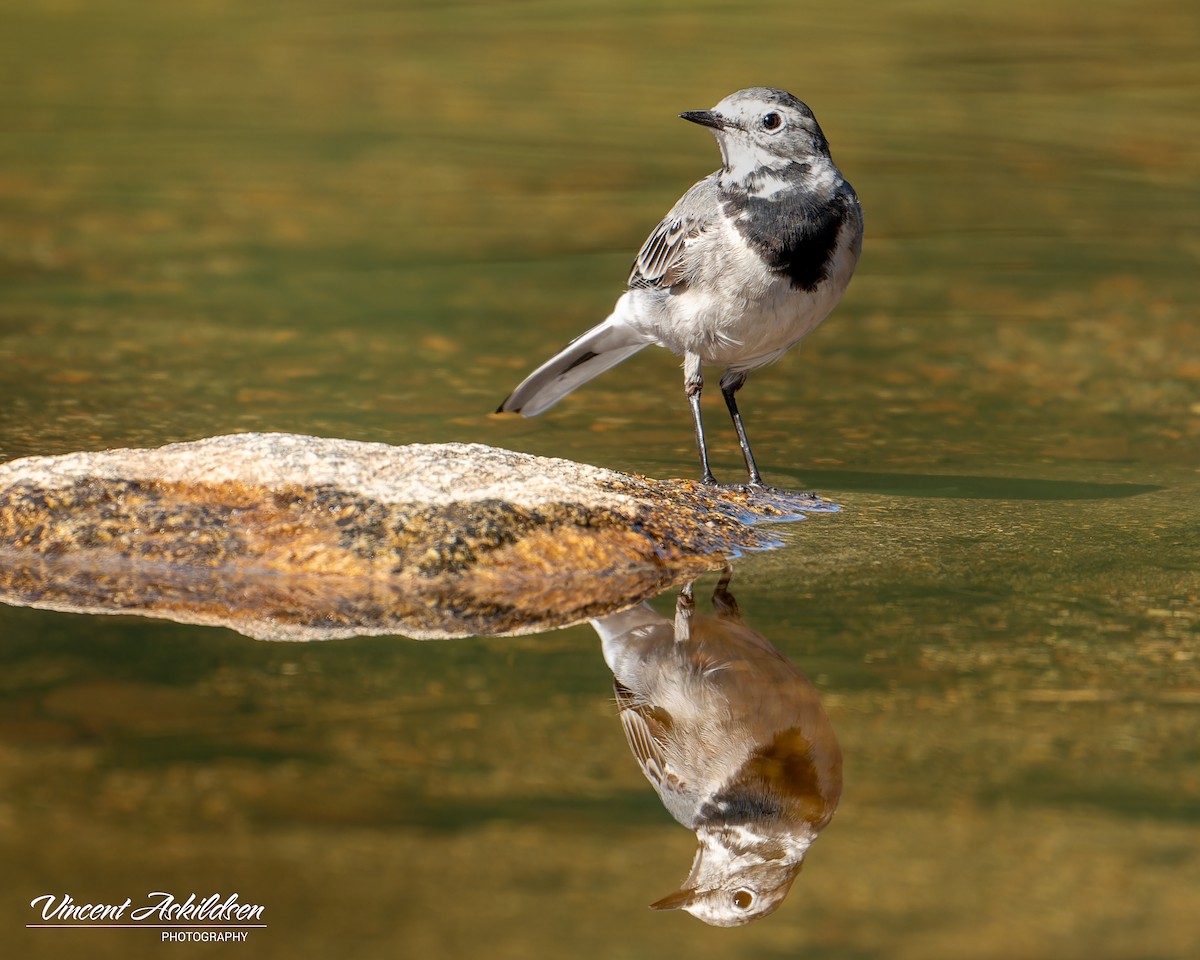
(733,738)
(293,537)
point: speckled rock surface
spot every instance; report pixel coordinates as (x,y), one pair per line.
(290,537)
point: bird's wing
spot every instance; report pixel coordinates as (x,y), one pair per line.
(661,261)
(645,729)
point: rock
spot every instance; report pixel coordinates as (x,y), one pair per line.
(287,537)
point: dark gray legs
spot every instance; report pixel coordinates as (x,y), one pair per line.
(731,383)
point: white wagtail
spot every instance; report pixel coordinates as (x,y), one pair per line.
(734,740)
(745,265)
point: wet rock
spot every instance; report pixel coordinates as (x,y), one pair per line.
(289,537)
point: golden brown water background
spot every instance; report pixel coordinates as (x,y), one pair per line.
(370,219)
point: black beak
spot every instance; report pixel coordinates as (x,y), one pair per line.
(706,118)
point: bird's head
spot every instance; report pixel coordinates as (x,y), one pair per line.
(762,129)
(736,878)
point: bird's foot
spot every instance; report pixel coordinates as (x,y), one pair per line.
(789,503)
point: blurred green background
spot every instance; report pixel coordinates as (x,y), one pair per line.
(371,219)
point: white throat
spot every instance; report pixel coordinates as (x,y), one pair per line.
(743,159)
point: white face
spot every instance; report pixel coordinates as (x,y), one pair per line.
(734,883)
(734,907)
(766,132)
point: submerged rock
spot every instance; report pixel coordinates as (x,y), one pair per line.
(287,537)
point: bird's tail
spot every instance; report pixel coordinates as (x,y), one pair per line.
(585,357)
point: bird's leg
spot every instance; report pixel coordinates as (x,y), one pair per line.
(693,383)
(685,606)
(724,605)
(731,383)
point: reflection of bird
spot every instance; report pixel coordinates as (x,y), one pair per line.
(744,266)
(733,737)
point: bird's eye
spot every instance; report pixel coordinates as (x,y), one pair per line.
(743,899)
(772,121)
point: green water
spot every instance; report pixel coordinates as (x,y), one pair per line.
(370,220)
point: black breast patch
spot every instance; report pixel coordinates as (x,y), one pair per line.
(794,234)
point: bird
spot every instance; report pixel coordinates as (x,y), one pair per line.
(733,738)
(745,265)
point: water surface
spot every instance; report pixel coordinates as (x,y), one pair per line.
(370,221)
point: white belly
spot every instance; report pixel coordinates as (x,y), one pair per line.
(732,312)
